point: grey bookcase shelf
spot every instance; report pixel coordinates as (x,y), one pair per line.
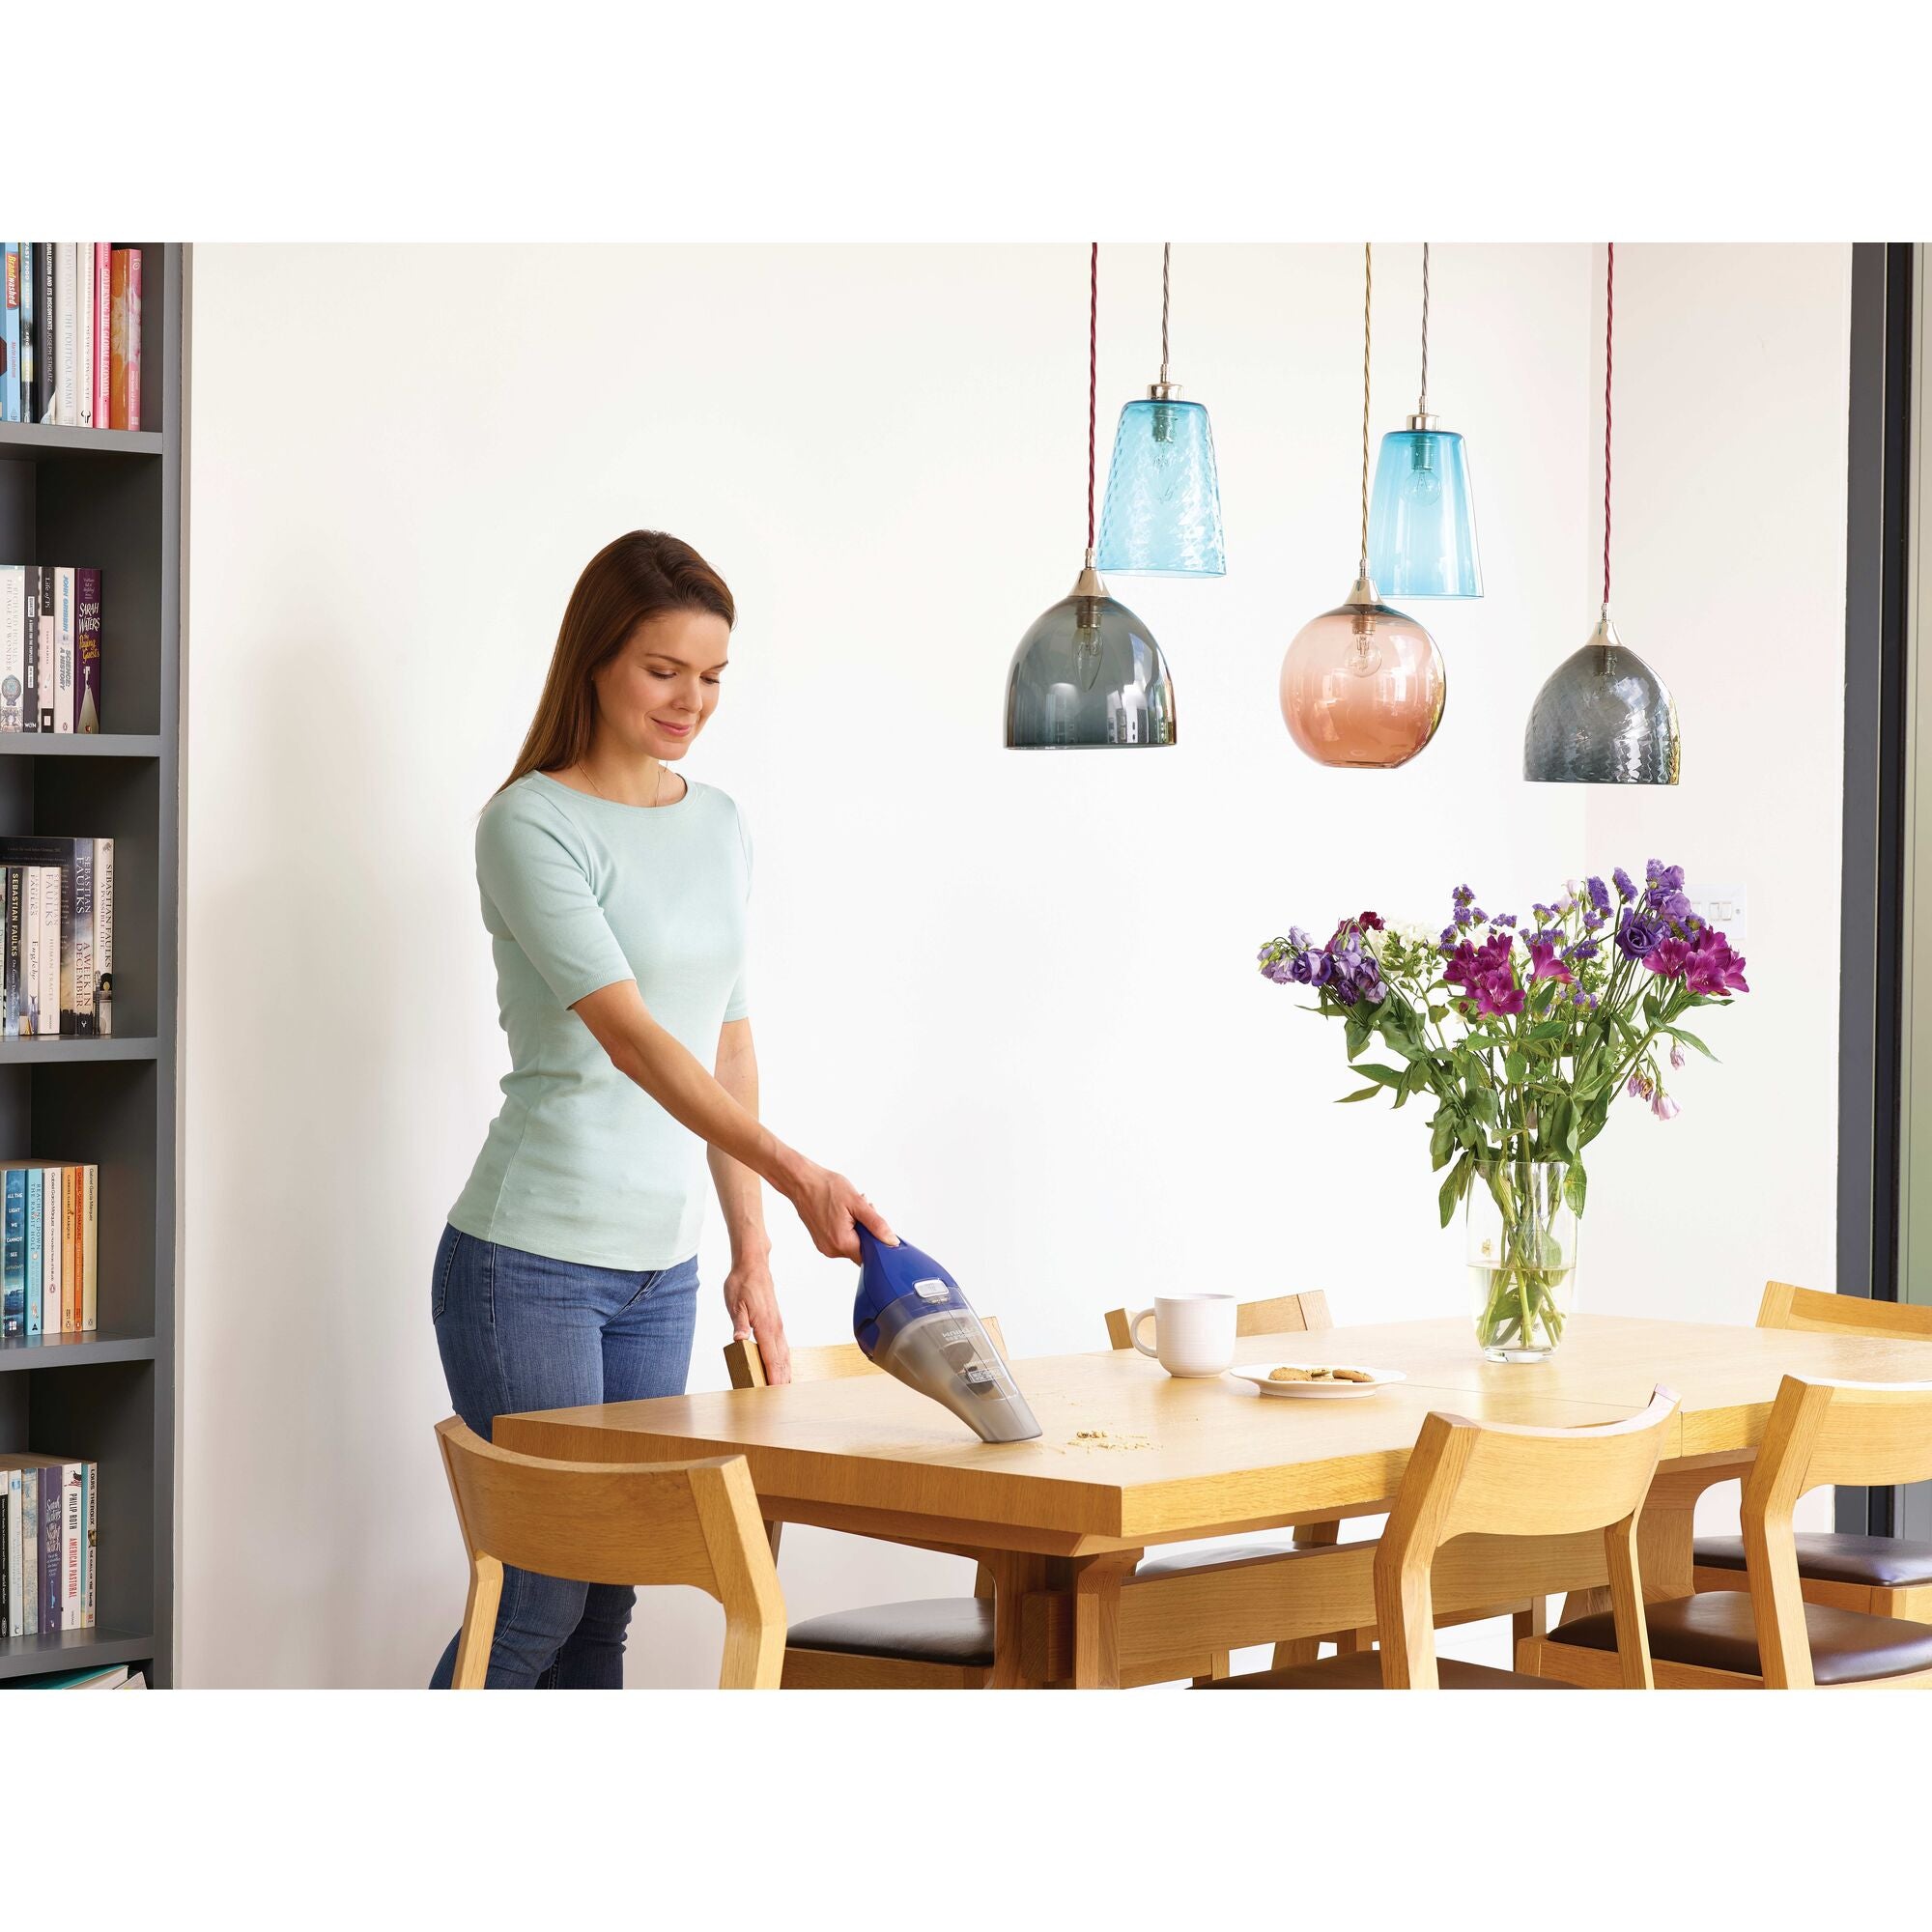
(110,498)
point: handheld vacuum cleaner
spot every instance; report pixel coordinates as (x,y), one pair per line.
(912,1321)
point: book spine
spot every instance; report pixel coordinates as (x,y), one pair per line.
(83,334)
(66,335)
(117,340)
(64,666)
(67,1006)
(16,1610)
(52,1248)
(84,1021)
(103,325)
(29,327)
(32,1536)
(73,1539)
(30,651)
(92,1540)
(87,650)
(69,1251)
(133,338)
(10,336)
(45,398)
(30,953)
(10,997)
(103,936)
(13,1257)
(50,1545)
(13,642)
(6,1568)
(43,618)
(36,1240)
(90,1249)
(51,929)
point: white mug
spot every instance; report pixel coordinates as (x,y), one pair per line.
(1194,1334)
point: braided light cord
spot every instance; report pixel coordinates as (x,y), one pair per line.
(1166,257)
(1092,376)
(1368,300)
(1610,339)
(1422,403)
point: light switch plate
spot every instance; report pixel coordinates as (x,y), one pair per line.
(1726,908)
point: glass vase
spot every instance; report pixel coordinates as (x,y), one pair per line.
(1521,1253)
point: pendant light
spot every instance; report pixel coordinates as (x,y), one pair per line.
(1604,716)
(1161,516)
(1362,684)
(1422,524)
(1089,672)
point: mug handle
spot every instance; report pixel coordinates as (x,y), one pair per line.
(1134,1332)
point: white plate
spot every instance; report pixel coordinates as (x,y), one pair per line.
(1258,1373)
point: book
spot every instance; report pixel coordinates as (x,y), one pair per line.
(13,642)
(74,1542)
(103,936)
(90,1248)
(30,651)
(30,952)
(9,1553)
(15,876)
(74,856)
(66,335)
(13,1254)
(93,1535)
(37,1203)
(69,1252)
(64,632)
(88,1677)
(50,945)
(87,650)
(50,1545)
(46,397)
(125,371)
(53,1248)
(44,618)
(28,331)
(31,1537)
(83,334)
(10,336)
(103,327)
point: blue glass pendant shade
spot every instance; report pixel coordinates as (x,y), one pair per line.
(1422,519)
(1089,673)
(1162,514)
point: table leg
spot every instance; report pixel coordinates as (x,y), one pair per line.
(1096,1617)
(1015,1574)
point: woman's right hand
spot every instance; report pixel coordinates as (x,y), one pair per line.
(832,1210)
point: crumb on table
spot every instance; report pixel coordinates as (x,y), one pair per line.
(1107,1438)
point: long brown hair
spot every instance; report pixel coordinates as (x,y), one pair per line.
(642,575)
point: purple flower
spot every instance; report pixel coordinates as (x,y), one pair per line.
(1579,998)
(1637,1086)
(1449,937)
(1498,993)
(1635,937)
(1676,1054)
(1544,964)
(1584,949)
(1713,968)
(1664,1106)
(1667,958)
(1507,919)
(1599,894)
(1662,877)
(1626,889)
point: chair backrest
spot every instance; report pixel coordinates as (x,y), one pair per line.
(1875,1433)
(616,1522)
(836,1360)
(1279,1315)
(1501,1479)
(1785,1306)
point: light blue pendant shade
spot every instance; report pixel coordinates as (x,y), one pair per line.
(1162,515)
(1422,520)
(1089,673)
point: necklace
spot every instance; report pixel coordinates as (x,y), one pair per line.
(657,789)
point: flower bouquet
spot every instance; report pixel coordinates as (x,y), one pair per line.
(1525,1037)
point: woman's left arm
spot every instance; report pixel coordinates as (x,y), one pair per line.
(750,1293)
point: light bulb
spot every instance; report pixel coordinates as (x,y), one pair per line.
(1365,655)
(1422,481)
(1087,641)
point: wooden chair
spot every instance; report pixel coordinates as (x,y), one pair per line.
(614,1523)
(1292,1314)
(1886,1575)
(1770,1635)
(1496,1479)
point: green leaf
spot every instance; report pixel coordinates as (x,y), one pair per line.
(1360,1093)
(1574,1186)
(1691,1040)
(1356,1036)
(1441,1137)
(1451,1191)
(1516,1067)
(1383,1076)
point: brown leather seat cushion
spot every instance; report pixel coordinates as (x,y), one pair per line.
(1363,1671)
(1880,1561)
(1713,1630)
(937,1629)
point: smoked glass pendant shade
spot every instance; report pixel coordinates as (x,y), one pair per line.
(1363,685)
(1422,520)
(1089,673)
(1603,717)
(1162,514)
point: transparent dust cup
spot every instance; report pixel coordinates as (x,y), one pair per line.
(1521,1255)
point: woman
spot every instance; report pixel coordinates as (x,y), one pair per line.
(614,892)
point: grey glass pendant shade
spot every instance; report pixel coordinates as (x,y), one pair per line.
(1603,717)
(1089,673)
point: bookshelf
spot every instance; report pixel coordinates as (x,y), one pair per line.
(111,498)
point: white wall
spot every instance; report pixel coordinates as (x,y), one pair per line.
(1014,996)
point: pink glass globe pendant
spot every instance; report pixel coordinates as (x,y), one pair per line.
(1363,685)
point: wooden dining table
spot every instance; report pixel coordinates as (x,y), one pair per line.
(1129,1458)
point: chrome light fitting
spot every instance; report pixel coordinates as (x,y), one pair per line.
(1089,672)
(1604,716)
(1161,516)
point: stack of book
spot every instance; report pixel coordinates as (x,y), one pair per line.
(50,1511)
(101,1677)
(72,334)
(56,937)
(49,647)
(50,1239)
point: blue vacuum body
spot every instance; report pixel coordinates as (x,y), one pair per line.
(913,1322)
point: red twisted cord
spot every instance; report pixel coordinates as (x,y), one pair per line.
(1093,372)
(1610,337)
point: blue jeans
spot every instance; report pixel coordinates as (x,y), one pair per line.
(520,1331)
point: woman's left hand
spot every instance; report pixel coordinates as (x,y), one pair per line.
(752,1298)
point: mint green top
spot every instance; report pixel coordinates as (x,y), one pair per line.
(581,1164)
